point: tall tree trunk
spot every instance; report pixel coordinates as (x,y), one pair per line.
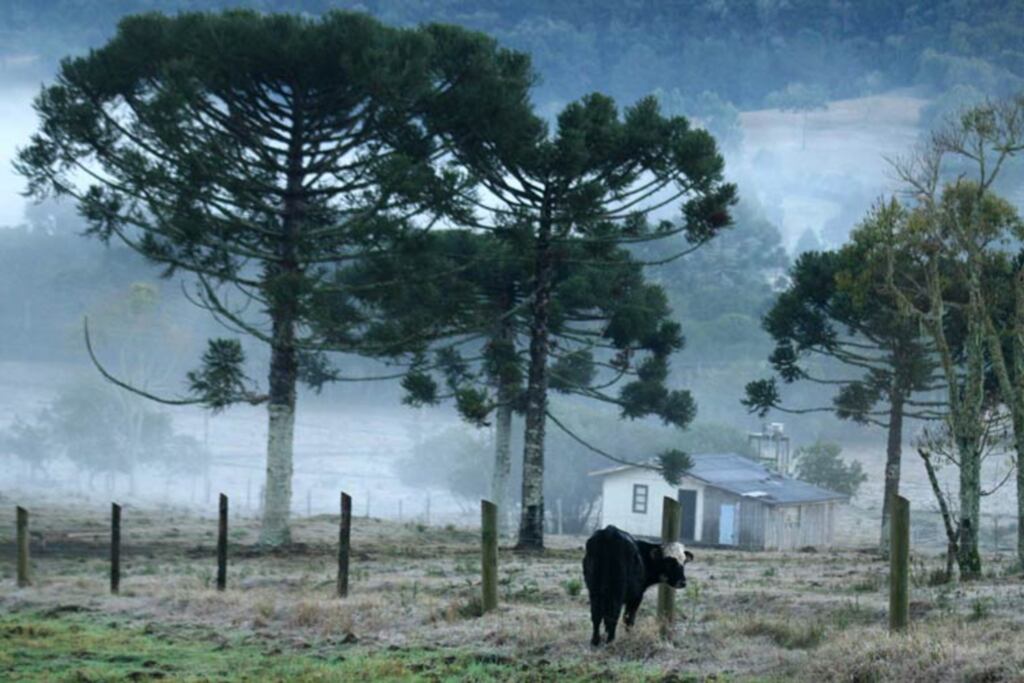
(281,292)
(502,474)
(969,558)
(968,431)
(967,423)
(1018,404)
(277,493)
(1018,442)
(1011,388)
(531,520)
(893,455)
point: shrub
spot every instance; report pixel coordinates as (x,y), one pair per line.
(821,465)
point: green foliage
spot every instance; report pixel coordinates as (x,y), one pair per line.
(316,370)
(420,389)
(196,124)
(473,404)
(821,464)
(838,307)
(761,396)
(674,464)
(572,371)
(221,380)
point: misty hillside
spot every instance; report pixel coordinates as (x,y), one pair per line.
(744,51)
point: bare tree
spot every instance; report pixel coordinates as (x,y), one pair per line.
(958,233)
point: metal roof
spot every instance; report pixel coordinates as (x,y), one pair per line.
(743,476)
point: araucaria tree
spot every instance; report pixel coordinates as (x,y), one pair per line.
(837,312)
(608,327)
(595,179)
(961,233)
(261,153)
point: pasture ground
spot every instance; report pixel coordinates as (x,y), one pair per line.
(413,612)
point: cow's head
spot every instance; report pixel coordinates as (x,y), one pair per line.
(670,560)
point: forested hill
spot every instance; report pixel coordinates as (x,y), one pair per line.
(743,50)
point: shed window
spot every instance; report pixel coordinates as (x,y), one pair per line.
(640,498)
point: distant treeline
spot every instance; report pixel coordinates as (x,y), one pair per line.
(743,50)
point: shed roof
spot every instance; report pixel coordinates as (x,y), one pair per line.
(743,476)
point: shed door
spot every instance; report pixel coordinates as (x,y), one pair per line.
(727,524)
(688,506)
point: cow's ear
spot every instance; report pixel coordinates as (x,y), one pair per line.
(689,555)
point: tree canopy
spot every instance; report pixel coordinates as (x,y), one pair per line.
(261,153)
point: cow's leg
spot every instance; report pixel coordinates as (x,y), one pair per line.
(596,612)
(611,617)
(631,607)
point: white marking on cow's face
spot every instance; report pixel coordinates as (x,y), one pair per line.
(677,551)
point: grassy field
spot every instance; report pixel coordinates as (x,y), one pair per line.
(413,613)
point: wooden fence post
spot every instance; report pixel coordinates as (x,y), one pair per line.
(670,524)
(489,554)
(23,574)
(222,544)
(115,548)
(899,564)
(344,543)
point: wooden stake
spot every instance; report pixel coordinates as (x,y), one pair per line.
(489,554)
(222,545)
(344,543)
(22,523)
(670,524)
(899,564)
(115,548)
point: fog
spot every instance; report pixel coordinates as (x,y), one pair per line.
(19,122)
(809,175)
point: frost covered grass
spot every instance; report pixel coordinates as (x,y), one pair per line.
(414,611)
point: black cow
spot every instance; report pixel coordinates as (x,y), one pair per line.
(618,569)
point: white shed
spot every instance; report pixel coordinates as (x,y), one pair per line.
(725,499)
(631,500)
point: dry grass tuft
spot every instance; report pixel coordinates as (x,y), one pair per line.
(459,609)
(792,635)
(929,652)
(326,616)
